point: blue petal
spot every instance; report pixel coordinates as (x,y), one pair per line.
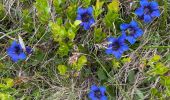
(86,25)
(111,39)
(139,33)
(102,89)
(155,13)
(28,50)
(91,21)
(14,44)
(81,11)
(94,88)
(147,18)
(22,56)
(131,39)
(125,47)
(122,37)
(91,95)
(124,26)
(154,5)
(103,98)
(139,11)
(133,24)
(9,50)
(90,10)
(109,51)
(14,58)
(144,3)
(117,54)
(79,17)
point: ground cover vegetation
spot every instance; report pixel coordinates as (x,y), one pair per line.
(84,50)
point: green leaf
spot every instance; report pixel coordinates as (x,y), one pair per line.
(4,96)
(140,94)
(71,34)
(126,60)
(131,77)
(63,49)
(98,8)
(159,69)
(62,69)
(99,35)
(43,10)
(2,11)
(110,18)
(155,58)
(114,6)
(81,62)
(58,32)
(101,74)
(9,82)
(77,22)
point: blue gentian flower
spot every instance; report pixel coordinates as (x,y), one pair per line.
(16,52)
(86,16)
(148,10)
(117,46)
(132,31)
(97,93)
(28,50)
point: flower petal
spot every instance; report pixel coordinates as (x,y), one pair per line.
(147,18)
(91,95)
(122,37)
(90,10)
(14,44)
(102,89)
(125,47)
(154,5)
(14,58)
(79,17)
(86,25)
(103,98)
(124,26)
(111,39)
(155,13)
(139,33)
(131,39)
(133,23)
(94,88)
(117,54)
(81,11)
(91,21)
(144,3)
(28,50)
(109,51)
(22,56)
(139,11)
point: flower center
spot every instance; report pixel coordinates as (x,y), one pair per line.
(115,46)
(85,17)
(147,10)
(130,31)
(97,94)
(17,50)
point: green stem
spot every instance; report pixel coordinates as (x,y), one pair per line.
(6,34)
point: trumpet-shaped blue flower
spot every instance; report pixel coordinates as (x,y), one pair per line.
(148,10)
(97,93)
(86,16)
(131,30)
(16,52)
(117,46)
